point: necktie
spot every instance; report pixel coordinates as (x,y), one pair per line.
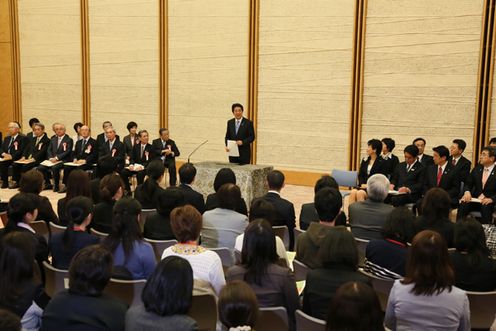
(58,142)
(37,141)
(163,144)
(408,167)
(110,145)
(142,150)
(10,143)
(439,175)
(485,176)
(83,145)
(238,122)
(453,162)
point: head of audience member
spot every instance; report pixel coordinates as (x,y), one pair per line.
(440,155)
(31,182)
(169,199)
(106,166)
(38,130)
(388,145)
(186,224)
(262,209)
(110,134)
(169,289)
(374,147)
(328,203)
(90,271)
(259,250)
(132,127)
(399,225)
(420,143)
(224,176)
(9,321)
(111,188)
(229,196)
(17,253)
(275,180)
(237,110)
(125,226)
(355,307)
(22,208)
(470,239)
(238,305)
(339,248)
(85,131)
(155,171)
(77,127)
(164,134)
(59,130)
(492,142)
(325,181)
(14,129)
(428,266)
(411,152)
(377,187)
(436,205)
(78,184)
(487,156)
(143,137)
(187,173)
(457,147)
(79,211)
(106,124)
(33,121)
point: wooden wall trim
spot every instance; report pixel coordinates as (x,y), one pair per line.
(16,68)
(164,64)
(85,62)
(253,56)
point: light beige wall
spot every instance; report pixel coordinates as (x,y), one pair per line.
(50,60)
(421,64)
(208,71)
(305,84)
(124,64)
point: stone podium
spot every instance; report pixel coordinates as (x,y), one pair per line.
(251,179)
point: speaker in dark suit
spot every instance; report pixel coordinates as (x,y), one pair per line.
(85,153)
(187,174)
(408,178)
(167,150)
(241,130)
(12,149)
(112,149)
(461,163)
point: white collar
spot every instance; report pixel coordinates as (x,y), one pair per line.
(25,226)
(274,191)
(490,168)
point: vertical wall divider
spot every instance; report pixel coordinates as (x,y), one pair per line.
(164,64)
(15,60)
(85,62)
(253,54)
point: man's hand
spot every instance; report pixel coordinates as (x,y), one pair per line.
(486,201)
(466,197)
(168,152)
(239,142)
(404,189)
(53,159)
(227,149)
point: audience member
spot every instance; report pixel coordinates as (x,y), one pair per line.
(424,159)
(102,138)
(238,306)
(148,192)
(157,226)
(11,150)
(392,160)
(111,190)
(167,150)
(224,176)
(187,174)
(9,321)
(32,182)
(461,163)
(105,167)
(131,139)
(408,178)
(32,121)
(112,148)
(78,184)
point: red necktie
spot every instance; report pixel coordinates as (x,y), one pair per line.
(439,175)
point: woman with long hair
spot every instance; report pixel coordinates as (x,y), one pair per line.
(111,190)
(78,184)
(426,299)
(148,192)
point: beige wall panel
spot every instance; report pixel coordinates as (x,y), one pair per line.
(421,64)
(124,64)
(50,51)
(305,84)
(208,71)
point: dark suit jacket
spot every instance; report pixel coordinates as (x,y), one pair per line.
(16,149)
(474,183)
(158,227)
(450,181)
(462,167)
(414,179)
(308,214)
(193,198)
(148,155)
(285,214)
(89,153)
(148,200)
(64,151)
(100,139)
(213,202)
(246,133)
(128,145)
(102,216)
(41,244)
(118,155)
(37,151)
(159,147)
(379,167)
(390,164)
(426,160)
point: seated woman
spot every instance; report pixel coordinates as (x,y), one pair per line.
(157,226)
(78,184)
(66,244)
(238,306)
(355,306)
(371,165)
(126,241)
(166,299)
(386,258)
(147,193)
(392,160)
(84,306)
(111,190)
(186,223)
(474,269)
(32,182)
(274,285)
(426,299)
(339,257)
(224,176)
(20,293)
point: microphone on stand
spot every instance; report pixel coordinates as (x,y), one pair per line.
(203,143)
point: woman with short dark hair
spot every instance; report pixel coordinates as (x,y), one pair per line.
(224,176)
(78,184)
(84,305)
(111,190)
(238,306)
(148,192)
(32,182)
(426,299)
(157,226)
(166,299)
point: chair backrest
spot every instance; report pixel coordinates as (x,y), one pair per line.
(160,245)
(237,256)
(56,280)
(128,291)
(204,311)
(361,246)
(54,228)
(300,270)
(271,319)
(282,232)
(41,228)
(482,309)
(345,178)
(99,234)
(226,256)
(381,286)
(306,322)
(144,214)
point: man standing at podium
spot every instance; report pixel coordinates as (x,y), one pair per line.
(240,130)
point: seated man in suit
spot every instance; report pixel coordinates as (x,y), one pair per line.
(408,178)
(367,217)
(101,139)
(424,159)
(131,139)
(442,174)
(12,149)
(143,153)
(461,163)
(113,148)
(35,153)
(59,151)
(328,202)
(168,151)
(481,185)
(85,153)
(285,213)
(187,174)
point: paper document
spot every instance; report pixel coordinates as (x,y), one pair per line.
(475,200)
(233,148)
(393,192)
(28,161)
(73,164)
(48,163)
